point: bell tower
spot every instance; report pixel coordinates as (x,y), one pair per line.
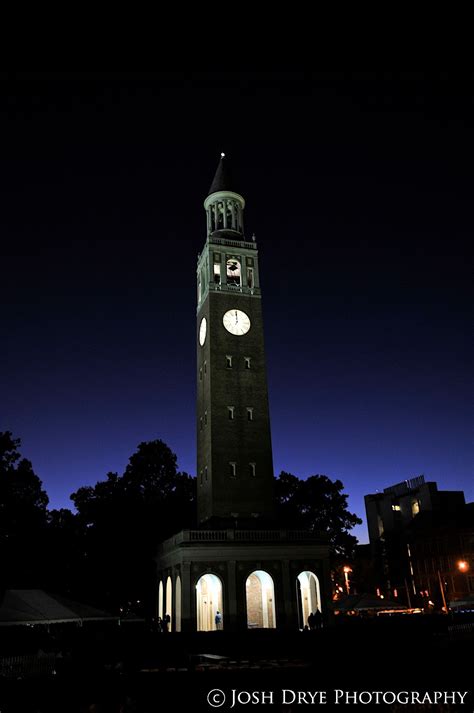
(234,452)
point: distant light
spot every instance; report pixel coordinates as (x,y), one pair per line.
(463,566)
(222,154)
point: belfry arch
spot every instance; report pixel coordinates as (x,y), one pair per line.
(209,601)
(260,599)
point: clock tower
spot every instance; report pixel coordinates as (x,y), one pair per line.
(239,569)
(234,452)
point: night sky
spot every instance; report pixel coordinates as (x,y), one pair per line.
(359,190)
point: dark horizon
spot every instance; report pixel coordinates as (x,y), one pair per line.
(359,192)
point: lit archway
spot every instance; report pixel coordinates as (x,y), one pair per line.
(209,609)
(177,607)
(309,596)
(169,602)
(260,596)
(160,600)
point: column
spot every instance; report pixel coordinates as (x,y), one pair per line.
(187,619)
(287,598)
(230,617)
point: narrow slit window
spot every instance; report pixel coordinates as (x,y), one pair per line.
(205,418)
(232,469)
(205,367)
(200,374)
(205,473)
(252,469)
(228,360)
(247,362)
(249,414)
(200,477)
(200,424)
(230,412)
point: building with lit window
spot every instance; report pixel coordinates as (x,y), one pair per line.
(389,515)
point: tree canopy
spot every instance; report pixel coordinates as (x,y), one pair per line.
(318,504)
(23,515)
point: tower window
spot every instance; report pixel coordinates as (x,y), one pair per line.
(252,467)
(217,273)
(232,469)
(228,361)
(249,414)
(230,411)
(205,418)
(247,362)
(205,367)
(233,271)
(250,277)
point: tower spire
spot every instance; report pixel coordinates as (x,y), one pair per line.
(223,205)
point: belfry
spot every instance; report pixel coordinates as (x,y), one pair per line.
(239,569)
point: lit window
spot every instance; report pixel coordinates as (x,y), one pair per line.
(415,507)
(247,362)
(396,508)
(249,414)
(217,274)
(230,411)
(252,467)
(232,469)
(233,271)
(228,361)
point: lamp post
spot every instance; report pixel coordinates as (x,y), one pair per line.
(346,578)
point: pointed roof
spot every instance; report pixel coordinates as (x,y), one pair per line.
(223,178)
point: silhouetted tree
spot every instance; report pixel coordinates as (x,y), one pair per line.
(319,505)
(123,519)
(23,517)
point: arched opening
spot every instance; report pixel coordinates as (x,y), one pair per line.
(169,603)
(160,600)
(260,595)
(209,603)
(308,597)
(177,607)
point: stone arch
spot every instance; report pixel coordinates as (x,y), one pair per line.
(177,605)
(169,602)
(160,599)
(260,600)
(209,601)
(308,596)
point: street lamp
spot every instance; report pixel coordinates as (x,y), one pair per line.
(346,578)
(463,566)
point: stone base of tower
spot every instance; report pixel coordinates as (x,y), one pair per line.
(240,579)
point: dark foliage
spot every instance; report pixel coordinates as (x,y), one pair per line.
(318,504)
(23,517)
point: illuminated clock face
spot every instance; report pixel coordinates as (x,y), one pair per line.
(202,331)
(236,322)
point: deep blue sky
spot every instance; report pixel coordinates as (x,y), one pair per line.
(359,190)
